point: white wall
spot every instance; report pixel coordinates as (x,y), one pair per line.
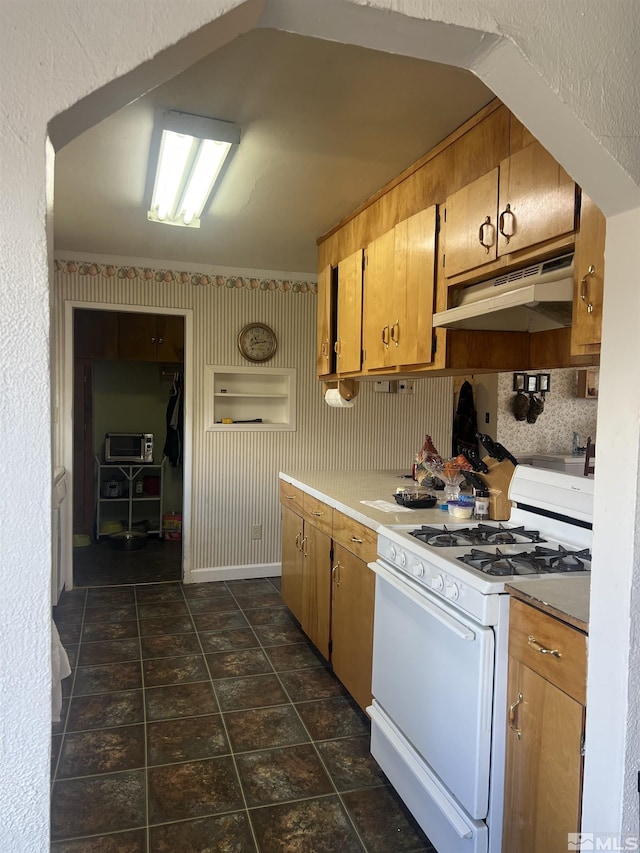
(567,68)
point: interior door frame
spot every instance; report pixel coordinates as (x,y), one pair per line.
(67,418)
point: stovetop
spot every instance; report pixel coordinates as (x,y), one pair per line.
(500,550)
(469,563)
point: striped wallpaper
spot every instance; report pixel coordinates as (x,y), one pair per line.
(234,475)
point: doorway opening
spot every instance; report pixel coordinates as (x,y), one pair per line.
(128,494)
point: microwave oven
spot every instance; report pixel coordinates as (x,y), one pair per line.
(128,447)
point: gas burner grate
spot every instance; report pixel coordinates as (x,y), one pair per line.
(508,535)
(561,559)
(443,537)
(500,564)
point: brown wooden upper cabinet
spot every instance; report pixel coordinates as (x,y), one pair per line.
(529,199)
(588,265)
(95,334)
(339,324)
(151,337)
(398,293)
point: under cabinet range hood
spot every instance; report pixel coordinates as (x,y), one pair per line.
(531,299)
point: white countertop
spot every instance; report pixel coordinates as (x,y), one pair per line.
(345,491)
(566,598)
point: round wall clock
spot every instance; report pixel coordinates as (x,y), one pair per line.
(257,342)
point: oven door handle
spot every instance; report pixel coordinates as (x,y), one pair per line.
(418,597)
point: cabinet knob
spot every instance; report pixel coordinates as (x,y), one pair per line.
(335,575)
(486,234)
(316,513)
(395,333)
(385,336)
(153,340)
(356,540)
(160,340)
(542,649)
(512,716)
(507,223)
(584,288)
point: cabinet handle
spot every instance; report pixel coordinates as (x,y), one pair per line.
(356,540)
(303,546)
(298,535)
(316,513)
(543,651)
(481,235)
(584,287)
(507,231)
(385,336)
(337,347)
(160,340)
(289,497)
(395,333)
(334,573)
(153,340)
(512,716)
(325,349)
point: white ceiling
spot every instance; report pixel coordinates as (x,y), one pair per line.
(324,125)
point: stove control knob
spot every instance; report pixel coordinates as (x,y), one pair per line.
(418,570)
(392,553)
(452,591)
(437,583)
(402,559)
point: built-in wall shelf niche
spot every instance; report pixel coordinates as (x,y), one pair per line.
(587,384)
(251,398)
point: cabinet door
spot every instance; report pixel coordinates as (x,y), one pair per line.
(411,305)
(348,345)
(544,766)
(324,355)
(95,334)
(137,337)
(292,562)
(316,588)
(379,300)
(353,592)
(537,200)
(470,217)
(589,280)
(170,338)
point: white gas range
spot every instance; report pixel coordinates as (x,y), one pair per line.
(440,650)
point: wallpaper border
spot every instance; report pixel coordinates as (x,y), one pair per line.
(93,269)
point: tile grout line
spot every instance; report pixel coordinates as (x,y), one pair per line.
(144,726)
(312,740)
(224,723)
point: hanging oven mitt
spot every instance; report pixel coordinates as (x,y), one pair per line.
(536,407)
(520,406)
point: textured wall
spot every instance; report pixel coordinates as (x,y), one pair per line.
(234,474)
(586,51)
(563,414)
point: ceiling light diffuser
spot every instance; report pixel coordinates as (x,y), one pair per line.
(192,152)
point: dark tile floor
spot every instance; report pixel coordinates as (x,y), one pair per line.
(100,564)
(198,718)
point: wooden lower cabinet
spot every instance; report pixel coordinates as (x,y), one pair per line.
(292,557)
(316,587)
(306,577)
(327,585)
(353,590)
(546,714)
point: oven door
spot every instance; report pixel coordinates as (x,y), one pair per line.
(433,679)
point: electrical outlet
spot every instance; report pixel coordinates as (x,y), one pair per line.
(402,386)
(256,531)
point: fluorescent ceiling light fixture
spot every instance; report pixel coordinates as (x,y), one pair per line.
(192,151)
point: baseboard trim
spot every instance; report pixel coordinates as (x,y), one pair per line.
(229,573)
